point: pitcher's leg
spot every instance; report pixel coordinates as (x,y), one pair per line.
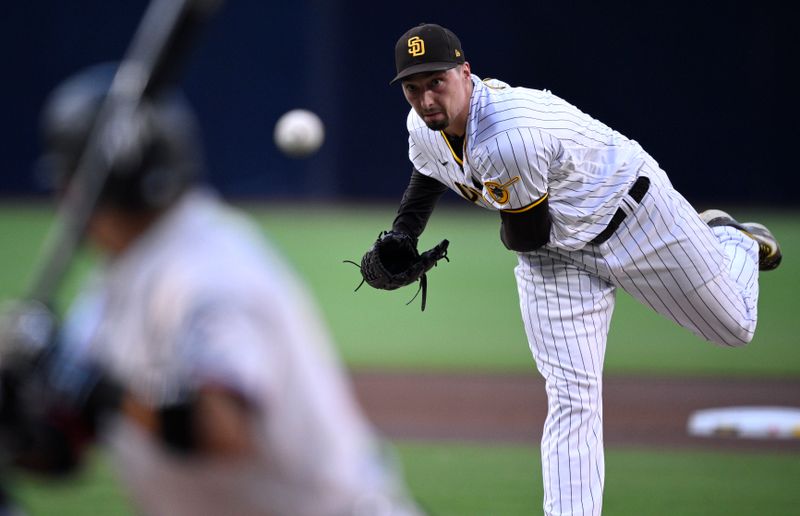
(669,259)
(566,313)
(741,267)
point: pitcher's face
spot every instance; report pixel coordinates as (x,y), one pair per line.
(441,98)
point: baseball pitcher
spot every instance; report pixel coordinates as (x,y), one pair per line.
(587,211)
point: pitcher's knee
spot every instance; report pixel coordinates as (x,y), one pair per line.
(577,401)
(735,334)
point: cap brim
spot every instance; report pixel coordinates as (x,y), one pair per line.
(422,68)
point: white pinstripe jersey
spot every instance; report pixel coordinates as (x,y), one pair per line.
(523,145)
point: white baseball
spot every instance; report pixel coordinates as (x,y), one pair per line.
(299,133)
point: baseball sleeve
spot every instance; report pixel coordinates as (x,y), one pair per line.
(527,230)
(515,174)
(519,161)
(417,204)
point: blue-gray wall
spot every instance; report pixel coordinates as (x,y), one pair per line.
(705,87)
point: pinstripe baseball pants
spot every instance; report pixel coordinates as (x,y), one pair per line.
(704,279)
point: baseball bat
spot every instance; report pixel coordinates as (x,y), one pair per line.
(152,62)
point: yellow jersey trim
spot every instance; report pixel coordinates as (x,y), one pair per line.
(528,207)
(458,160)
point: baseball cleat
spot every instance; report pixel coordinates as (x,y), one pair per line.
(716,218)
(769,252)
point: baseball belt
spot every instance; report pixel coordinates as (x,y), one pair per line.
(637,191)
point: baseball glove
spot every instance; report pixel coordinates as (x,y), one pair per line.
(393,262)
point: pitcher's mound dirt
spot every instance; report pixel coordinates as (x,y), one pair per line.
(638,410)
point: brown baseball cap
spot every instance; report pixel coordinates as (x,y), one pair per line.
(426,48)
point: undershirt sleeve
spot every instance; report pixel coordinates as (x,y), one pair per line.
(526,230)
(417,204)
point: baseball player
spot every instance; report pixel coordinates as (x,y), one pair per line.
(213,377)
(587,211)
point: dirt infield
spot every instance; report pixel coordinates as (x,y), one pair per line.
(639,410)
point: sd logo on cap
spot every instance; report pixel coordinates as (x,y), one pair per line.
(426,48)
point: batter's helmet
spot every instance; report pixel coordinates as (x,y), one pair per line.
(152,154)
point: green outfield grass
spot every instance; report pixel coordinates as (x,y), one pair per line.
(505,480)
(462,480)
(472,320)
(92,491)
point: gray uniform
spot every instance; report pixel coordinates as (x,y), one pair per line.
(201,299)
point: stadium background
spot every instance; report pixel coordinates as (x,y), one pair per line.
(707,89)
